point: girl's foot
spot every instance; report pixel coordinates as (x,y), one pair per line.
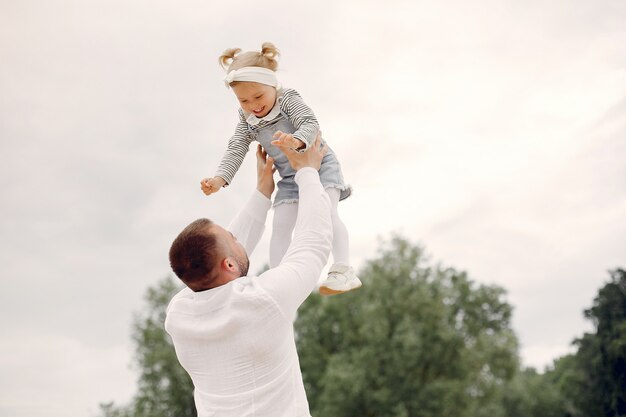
(341,278)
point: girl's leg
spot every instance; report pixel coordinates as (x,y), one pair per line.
(282,227)
(341,276)
(341,242)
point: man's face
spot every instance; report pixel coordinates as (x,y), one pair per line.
(255,98)
(232,248)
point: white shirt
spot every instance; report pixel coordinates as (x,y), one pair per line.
(236,341)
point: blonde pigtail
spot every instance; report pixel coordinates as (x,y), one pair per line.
(233,59)
(270,55)
(228,56)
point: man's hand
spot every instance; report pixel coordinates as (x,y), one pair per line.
(288,140)
(264,172)
(212,185)
(312,157)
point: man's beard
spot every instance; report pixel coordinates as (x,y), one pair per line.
(243,265)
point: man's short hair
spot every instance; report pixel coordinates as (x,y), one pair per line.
(194,253)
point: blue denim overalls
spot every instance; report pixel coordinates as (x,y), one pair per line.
(330,171)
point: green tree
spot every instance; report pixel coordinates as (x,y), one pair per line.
(416,340)
(569,379)
(608,313)
(164,387)
(597,376)
(592,381)
(530,394)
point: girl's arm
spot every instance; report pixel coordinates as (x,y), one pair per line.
(301,116)
(238,146)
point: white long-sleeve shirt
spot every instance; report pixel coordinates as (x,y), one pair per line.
(236,341)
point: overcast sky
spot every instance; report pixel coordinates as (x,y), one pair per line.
(491,132)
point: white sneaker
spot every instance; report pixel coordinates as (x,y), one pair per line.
(341,278)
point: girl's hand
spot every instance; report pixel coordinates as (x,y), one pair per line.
(312,157)
(212,185)
(287,140)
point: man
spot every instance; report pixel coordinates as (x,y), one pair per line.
(233,333)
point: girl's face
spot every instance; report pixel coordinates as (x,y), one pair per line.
(255,98)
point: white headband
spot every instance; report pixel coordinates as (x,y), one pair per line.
(255,74)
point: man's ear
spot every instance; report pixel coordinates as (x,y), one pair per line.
(229,265)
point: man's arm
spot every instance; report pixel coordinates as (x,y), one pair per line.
(291,282)
(248,226)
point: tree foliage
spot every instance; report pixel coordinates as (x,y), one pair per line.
(414,341)
(164,388)
(529,394)
(608,313)
(594,379)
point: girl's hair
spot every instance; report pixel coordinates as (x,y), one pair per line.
(233,59)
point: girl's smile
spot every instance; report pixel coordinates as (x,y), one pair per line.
(255,98)
(259,112)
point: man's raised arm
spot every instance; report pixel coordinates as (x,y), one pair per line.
(291,282)
(249,224)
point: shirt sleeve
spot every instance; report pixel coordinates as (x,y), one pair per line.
(301,116)
(248,226)
(291,282)
(236,151)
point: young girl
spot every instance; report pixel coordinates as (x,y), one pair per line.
(269,112)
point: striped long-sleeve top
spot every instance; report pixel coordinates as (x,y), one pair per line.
(299,114)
